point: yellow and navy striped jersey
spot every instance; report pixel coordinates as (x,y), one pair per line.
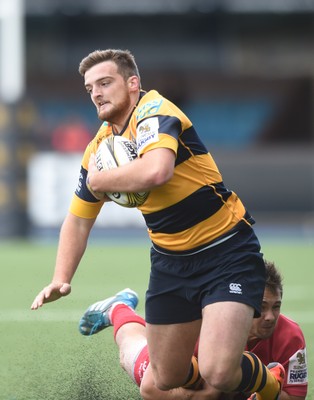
(193,209)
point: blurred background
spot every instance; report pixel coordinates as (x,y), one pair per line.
(242,70)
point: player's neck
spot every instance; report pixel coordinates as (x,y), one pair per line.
(120,126)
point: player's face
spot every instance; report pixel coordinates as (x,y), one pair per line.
(264,326)
(109,92)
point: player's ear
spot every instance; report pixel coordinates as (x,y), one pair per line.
(134,82)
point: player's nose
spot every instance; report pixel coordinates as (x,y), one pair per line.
(96,92)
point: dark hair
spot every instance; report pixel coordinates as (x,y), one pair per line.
(273,277)
(124,60)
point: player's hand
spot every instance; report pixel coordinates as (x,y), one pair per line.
(92,169)
(50,293)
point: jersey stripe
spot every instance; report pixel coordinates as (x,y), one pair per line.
(189,143)
(170,125)
(206,232)
(195,208)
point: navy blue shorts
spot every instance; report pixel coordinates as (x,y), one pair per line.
(180,286)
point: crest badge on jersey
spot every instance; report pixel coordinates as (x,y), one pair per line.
(147,133)
(297,372)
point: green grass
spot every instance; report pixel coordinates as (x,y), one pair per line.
(44,357)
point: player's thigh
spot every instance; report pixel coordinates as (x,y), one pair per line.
(223,336)
(171,348)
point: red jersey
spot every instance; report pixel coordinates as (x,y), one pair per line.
(286,346)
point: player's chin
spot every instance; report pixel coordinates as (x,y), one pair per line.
(101,115)
(266,332)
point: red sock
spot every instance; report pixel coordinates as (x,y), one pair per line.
(123,314)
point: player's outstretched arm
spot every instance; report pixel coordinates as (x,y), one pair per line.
(50,293)
(72,244)
(150,392)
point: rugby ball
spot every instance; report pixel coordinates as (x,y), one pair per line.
(114,152)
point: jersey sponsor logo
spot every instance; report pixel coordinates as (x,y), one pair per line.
(147,133)
(297,371)
(149,109)
(301,357)
(235,288)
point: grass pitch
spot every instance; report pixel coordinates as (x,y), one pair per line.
(43,356)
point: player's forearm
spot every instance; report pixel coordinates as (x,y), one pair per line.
(72,244)
(151,170)
(183,394)
(123,179)
(152,393)
(173,394)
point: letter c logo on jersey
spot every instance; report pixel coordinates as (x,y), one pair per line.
(235,288)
